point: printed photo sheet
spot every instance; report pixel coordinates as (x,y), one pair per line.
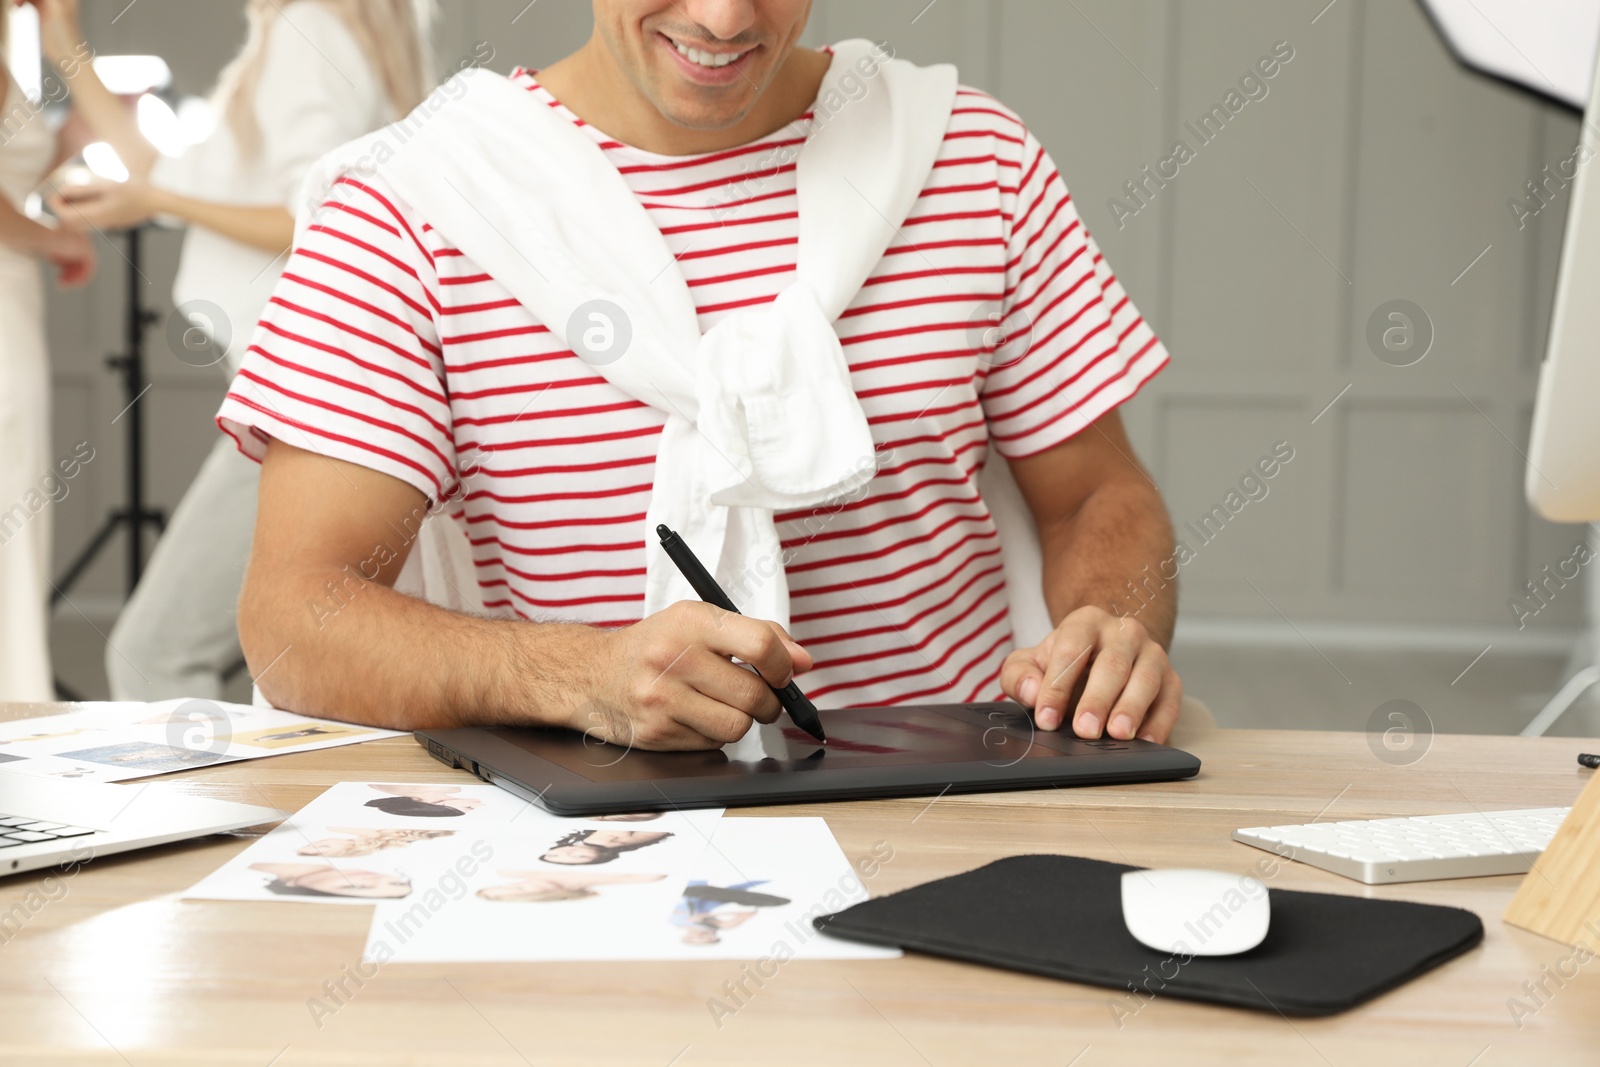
(117,741)
(748,894)
(757,888)
(426,846)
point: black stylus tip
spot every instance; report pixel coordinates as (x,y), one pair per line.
(663,531)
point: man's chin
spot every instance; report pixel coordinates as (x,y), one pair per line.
(704,116)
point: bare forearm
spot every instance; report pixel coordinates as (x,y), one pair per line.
(1110,581)
(1115,553)
(336,645)
(326,634)
(269,228)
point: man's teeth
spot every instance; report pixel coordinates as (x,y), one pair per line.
(707,59)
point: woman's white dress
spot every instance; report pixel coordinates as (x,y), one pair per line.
(25,459)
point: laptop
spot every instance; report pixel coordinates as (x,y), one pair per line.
(903,751)
(46,823)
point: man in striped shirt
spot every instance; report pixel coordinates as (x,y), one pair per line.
(391,376)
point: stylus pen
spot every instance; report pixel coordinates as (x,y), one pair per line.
(796,703)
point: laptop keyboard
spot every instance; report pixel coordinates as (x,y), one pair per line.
(21,830)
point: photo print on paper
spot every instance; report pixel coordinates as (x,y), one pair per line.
(145,756)
(364,841)
(28,739)
(707,910)
(423,801)
(588,847)
(325,880)
(547,887)
(296,734)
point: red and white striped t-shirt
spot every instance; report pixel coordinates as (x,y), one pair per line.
(385,346)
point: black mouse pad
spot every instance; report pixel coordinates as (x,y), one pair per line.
(1061,916)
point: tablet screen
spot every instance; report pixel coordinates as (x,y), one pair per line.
(998,734)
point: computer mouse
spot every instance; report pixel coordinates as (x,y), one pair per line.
(1195,912)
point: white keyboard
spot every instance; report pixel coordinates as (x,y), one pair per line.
(1428,847)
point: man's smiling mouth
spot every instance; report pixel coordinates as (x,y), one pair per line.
(710,60)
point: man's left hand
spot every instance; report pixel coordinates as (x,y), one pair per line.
(1129,685)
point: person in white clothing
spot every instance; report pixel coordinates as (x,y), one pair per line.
(312,75)
(28,478)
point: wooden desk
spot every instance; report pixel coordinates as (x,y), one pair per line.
(118,970)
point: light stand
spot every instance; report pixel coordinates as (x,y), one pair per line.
(134,515)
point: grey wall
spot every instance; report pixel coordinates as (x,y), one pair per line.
(1374,170)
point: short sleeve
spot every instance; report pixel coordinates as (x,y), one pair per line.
(1073,346)
(317,90)
(346,361)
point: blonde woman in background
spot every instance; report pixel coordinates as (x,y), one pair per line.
(28,152)
(313,74)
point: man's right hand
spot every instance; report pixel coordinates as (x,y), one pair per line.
(669,682)
(327,634)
